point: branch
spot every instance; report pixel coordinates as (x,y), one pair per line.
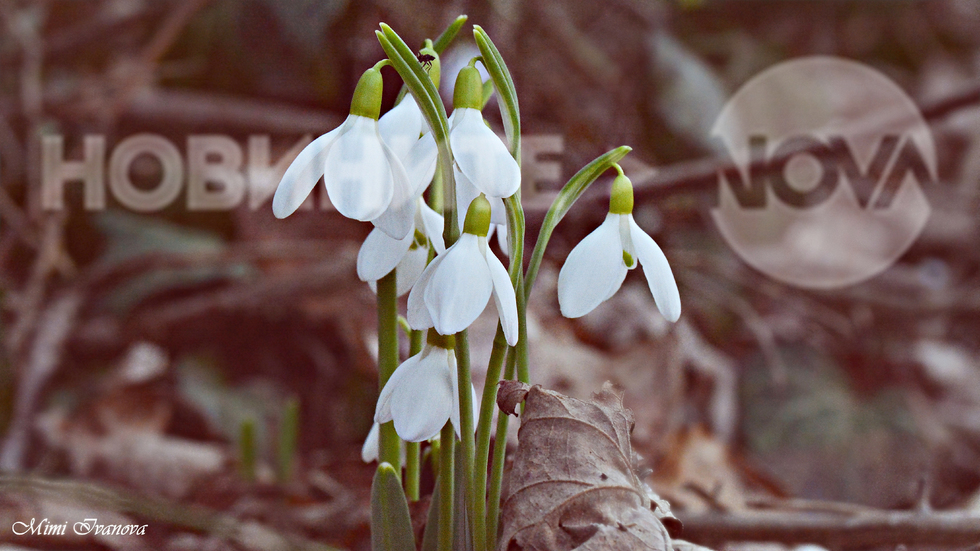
(885,528)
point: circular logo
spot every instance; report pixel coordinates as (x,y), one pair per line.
(828,162)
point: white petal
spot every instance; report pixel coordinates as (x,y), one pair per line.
(401,127)
(382,412)
(303,173)
(410,268)
(369,451)
(657,271)
(433,224)
(423,401)
(420,163)
(380,253)
(593,271)
(418,313)
(481,155)
(504,298)
(465,193)
(460,288)
(399,218)
(357,172)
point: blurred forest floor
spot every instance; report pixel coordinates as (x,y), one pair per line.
(134,345)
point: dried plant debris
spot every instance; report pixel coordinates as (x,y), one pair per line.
(573,484)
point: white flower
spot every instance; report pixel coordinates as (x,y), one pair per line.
(596,268)
(381,253)
(481,156)
(365,179)
(362,175)
(456,286)
(421,395)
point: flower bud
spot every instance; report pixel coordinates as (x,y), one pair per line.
(434,65)
(469,89)
(367,95)
(621,197)
(477,220)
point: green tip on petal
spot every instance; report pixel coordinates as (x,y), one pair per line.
(621,198)
(477,220)
(367,95)
(628,260)
(469,89)
(434,67)
(446,342)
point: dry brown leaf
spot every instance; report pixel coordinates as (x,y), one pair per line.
(573,484)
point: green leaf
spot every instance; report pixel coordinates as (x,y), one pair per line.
(447,36)
(391,524)
(574,189)
(430,537)
(506,91)
(419,84)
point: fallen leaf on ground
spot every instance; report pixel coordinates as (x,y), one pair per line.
(574,484)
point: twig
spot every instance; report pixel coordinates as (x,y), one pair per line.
(836,531)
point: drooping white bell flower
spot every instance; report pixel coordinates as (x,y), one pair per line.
(381,253)
(421,394)
(457,285)
(363,176)
(597,266)
(478,152)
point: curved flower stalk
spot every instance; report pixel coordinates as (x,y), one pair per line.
(597,266)
(456,286)
(381,253)
(421,394)
(363,176)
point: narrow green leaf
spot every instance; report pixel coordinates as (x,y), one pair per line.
(430,537)
(288,439)
(391,524)
(419,84)
(246,449)
(574,189)
(448,35)
(506,92)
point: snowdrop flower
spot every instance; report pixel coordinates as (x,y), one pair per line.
(363,176)
(381,253)
(596,267)
(456,286)
(479,153)
(421,394)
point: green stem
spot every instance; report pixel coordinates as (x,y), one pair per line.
(487,407)
(447,441)
(413,464)
(390,445)
(499,457)
(468,445)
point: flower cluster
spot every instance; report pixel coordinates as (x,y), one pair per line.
(377,169)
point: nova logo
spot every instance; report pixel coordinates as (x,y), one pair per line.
(829,160)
